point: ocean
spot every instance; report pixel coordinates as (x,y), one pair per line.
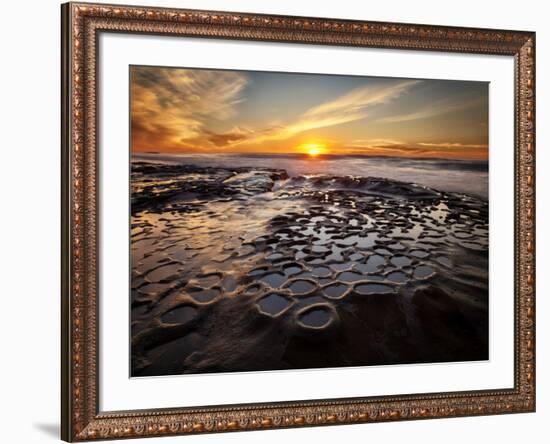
(449,175)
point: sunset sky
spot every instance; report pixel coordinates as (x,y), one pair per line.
(177,110)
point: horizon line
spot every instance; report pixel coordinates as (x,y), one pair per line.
(306,155)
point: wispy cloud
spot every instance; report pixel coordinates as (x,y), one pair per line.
(347,108)
(375,143)
(453,145)
(351,106)
(172,106)
(431,110)
(417,149)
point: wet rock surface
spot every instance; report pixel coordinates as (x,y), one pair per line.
(247,269)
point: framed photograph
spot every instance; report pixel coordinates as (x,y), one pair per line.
(274,221)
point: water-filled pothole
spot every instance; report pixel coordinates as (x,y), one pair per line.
(350,276)
(374,262)
(400,261)
(335,291)
(252,289)
(274,279)
(273,304)
(423,271)
(204,295)
(292,269)
(421,254)
(373,289)
(321,272)
(301,286)
(398,277)
(317,317)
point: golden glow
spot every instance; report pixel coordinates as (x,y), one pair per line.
(208,111)
(312,149)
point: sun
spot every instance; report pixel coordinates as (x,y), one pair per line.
(312,149)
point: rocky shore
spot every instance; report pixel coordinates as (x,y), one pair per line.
(246,269)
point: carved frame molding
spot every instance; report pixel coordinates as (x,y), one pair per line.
(81,25)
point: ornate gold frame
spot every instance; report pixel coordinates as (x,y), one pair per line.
(81,25)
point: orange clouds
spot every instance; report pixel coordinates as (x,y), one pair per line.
(383,147)
(170,108)
(196,110)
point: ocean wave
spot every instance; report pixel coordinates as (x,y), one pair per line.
(155,185)
(449,175)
